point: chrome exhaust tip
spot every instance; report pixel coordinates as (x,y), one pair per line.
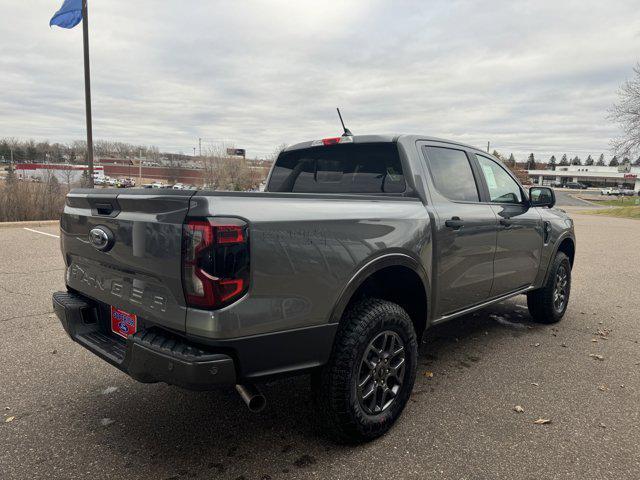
(252,397)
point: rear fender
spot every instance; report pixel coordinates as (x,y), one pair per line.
(378,263)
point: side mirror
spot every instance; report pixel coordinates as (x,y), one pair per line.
(542,197)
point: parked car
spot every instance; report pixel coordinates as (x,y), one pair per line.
(358,245)
(126,183)
(158,185)
(179,186)
(610,191)
(627,192)
(556,184)
(575,185)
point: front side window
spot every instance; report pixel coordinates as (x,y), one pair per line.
(502,188)
(452,174)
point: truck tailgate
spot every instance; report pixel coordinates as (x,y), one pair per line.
(139,268)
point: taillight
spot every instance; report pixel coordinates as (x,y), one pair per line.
(332,141)
(215,261)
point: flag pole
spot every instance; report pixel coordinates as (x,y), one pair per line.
(87,89)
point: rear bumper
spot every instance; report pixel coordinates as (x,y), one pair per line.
(148,356)
(191,362)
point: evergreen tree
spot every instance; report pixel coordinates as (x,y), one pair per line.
(31,151)
(576,161)
(531,162)
(552,162)
(564,162)
(600,161)
(512,160)
(10,178)
(589,161)
(84,179)
(614,162)
(497,154)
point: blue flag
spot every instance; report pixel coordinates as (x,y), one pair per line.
(69,15)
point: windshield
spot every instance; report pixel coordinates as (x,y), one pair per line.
(344,168)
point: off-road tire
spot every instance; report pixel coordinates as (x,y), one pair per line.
(542,302)
(335,386)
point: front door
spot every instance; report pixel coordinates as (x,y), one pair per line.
(520,234)
(466,229)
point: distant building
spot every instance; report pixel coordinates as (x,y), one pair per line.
(625,175)
(64,173)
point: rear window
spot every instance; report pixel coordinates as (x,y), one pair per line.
(347,168)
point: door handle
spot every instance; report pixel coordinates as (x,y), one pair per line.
(454,222)
(505,222)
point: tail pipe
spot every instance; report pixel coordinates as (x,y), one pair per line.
(252,397)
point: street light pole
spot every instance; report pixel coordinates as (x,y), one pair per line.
(87,88)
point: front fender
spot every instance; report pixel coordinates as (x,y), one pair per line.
(549,253)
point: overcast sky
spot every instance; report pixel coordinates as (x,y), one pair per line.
(528,76)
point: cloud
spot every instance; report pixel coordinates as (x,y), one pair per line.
(529,77)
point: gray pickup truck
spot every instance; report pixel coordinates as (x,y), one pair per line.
(358,246)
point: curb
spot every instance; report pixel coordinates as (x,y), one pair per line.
(32,223)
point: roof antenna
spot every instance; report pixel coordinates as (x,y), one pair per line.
(347,132)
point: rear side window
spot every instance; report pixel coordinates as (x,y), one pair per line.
(343,168)
(452,174)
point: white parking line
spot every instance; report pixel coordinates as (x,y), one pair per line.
(41,233)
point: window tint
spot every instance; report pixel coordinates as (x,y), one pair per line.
(347,168)
(502,188)
(452,174)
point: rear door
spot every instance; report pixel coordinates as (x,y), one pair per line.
(465,231)
(520,234)
(124,249)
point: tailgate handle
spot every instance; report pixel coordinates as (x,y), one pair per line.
(104,208)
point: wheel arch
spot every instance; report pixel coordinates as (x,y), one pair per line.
(565,244)
(395,277)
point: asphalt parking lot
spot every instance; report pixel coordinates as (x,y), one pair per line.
(67,414)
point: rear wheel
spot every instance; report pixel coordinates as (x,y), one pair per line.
(367,382)
(549,303)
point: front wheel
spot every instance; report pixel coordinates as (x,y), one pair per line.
(368,380)
(549,303)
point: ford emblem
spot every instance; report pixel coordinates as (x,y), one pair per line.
(101,238)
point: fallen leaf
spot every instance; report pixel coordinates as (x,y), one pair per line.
(109,390)
(563,345)
(9,419)
(602,425)
(518,409)
(535,384)
(105,422)
(594,340)
(542,421)
(428,374)
(596,356)
(603,388)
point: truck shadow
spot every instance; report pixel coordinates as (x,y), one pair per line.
(171,433)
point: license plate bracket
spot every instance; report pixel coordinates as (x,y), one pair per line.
(123,323)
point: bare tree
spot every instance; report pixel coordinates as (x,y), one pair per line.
(626,113)
(224,172)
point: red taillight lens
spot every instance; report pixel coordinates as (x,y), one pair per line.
(215,261)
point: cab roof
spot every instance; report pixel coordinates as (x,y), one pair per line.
(386,138)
